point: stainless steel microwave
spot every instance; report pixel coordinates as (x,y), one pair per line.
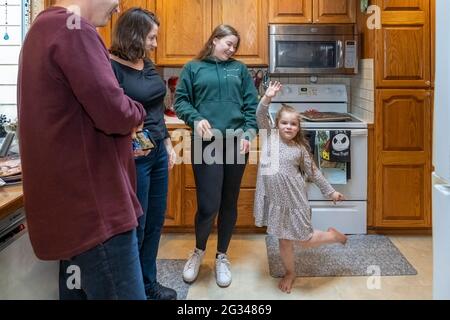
(313,49)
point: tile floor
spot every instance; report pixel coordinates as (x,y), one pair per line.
(251,279)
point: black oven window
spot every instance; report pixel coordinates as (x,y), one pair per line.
(306,54)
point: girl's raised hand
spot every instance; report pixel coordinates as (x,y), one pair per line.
(272,90)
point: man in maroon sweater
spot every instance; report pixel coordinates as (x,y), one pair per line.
(78,168)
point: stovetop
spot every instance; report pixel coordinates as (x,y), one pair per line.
(329,102)
(351,123)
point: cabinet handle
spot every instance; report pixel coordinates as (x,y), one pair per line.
(428,83)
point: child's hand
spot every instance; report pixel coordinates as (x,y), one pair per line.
(272,90)
(336,196)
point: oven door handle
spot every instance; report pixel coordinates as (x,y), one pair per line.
(354,132)
(359,132)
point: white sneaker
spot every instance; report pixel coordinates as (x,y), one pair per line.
(223,273)
(192,266)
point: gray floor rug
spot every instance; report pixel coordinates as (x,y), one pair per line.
(170,274)
(363,255)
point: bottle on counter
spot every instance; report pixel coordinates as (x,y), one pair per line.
(170,97)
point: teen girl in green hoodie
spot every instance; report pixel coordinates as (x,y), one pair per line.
(216,97)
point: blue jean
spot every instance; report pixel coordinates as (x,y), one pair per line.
(152,183)
(109,271)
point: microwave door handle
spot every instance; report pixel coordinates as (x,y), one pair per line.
(340,54)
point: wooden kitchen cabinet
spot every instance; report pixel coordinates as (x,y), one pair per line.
(252,26)
(402,164)
(174,209)
(245,203)
(312,11)
(290,11)
(187,25)
(106,31)
(403,142)
(403,51)
(334,11)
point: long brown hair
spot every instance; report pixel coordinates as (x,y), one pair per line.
(299,138)
(130,33)
(219,32)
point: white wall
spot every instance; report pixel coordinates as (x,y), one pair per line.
(9,55)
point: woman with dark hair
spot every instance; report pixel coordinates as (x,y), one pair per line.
(135,34)
(216,97)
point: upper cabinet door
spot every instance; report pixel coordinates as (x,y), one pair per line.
(249,17)
(334,11)
(185,27)
(290,11)
(403,56)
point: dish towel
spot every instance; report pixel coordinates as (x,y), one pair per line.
(340,145)
(333,148)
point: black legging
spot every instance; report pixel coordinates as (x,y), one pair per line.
(218,187)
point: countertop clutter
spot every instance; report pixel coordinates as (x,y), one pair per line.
(11,198)
(173,120)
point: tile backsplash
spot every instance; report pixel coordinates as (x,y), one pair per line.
(363,91)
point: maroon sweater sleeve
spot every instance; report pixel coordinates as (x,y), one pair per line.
(101,96)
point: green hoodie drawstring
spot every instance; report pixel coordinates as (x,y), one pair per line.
(218,77)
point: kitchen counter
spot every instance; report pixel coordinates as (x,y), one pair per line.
(11,198)
(174,123)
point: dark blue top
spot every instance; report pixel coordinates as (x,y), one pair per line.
(147,87)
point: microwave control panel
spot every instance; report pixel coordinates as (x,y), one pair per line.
(350,54)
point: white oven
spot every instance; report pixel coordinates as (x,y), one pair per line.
(349,216)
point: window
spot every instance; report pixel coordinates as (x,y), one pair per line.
(14,15)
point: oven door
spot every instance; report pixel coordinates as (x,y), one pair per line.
(356,187)
(306,54)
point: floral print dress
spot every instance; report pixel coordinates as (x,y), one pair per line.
(281,201)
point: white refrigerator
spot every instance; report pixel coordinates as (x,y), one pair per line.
(441,156)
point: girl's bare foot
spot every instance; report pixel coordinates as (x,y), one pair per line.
(340,237)
(286,283)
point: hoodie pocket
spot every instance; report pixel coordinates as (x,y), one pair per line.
(223,115)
